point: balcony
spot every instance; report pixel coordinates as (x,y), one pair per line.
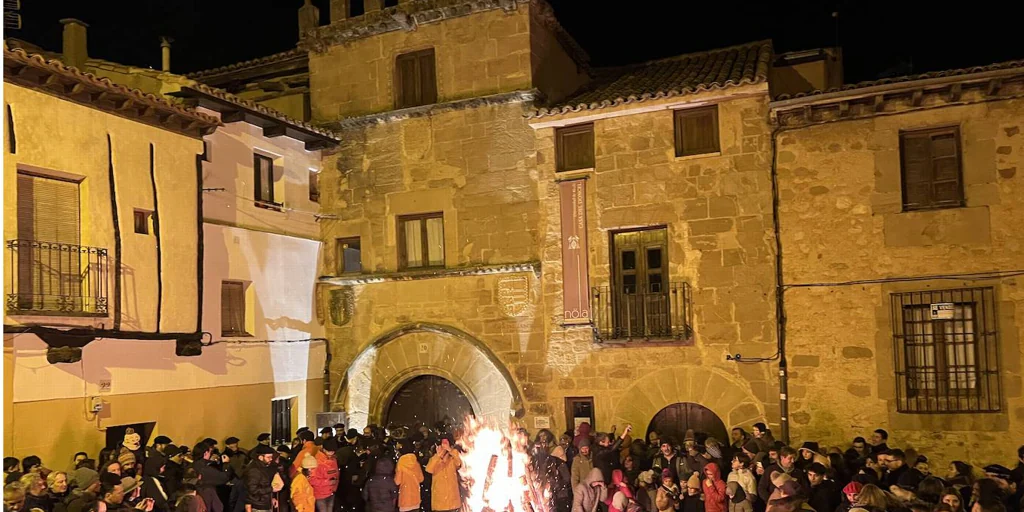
(50,278)
(657,316)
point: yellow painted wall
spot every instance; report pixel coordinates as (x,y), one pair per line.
(841,220)
(55,135)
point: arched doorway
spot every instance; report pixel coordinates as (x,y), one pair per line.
(427,399)
(677,418)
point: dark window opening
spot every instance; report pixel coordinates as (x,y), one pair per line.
(574,147)
(142,221)
(314,186)
(931,172)
(280,420)
(947,353)
(349,254)
(207,157)
(390,3)
(263,179)
(421,241)
(696,131)
(415,79)
(12,141)
(356,8)
(232,308)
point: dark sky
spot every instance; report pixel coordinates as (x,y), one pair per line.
(878,37)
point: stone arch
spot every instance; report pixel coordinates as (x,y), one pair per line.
(725,395)
(396,357)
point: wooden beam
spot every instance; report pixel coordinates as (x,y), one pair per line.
(314,145)
(232,116)
(275,130)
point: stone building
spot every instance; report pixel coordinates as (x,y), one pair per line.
(901,221)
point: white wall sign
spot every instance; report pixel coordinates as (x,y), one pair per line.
(942,311)
(542,422)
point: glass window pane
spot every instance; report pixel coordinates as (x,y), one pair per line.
(943,145)
(435,241)
(654,281)
(629,284)
(413,243)
(349,255)
(628,260)
(654,258)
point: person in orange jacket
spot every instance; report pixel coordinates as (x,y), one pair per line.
(302,492)
(324,478)
(308,448)
(444,486)
(408,476)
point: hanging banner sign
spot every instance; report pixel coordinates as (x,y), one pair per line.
(575,277)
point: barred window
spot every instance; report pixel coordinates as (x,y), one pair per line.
(946,351)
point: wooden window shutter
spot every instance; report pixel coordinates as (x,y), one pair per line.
(415,79)
(405,78)
(232,308)
(574,147)
(48,209)
(696,131)
(428,78)
(930,166)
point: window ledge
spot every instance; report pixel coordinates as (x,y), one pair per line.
(438,273)
(277,207)
(698,156)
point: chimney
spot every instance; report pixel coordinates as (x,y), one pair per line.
(75,48)
(165,53)
(309,18)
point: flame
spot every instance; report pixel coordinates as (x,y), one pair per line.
(497,471)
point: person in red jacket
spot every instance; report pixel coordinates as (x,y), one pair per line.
(324,479)
(715,499)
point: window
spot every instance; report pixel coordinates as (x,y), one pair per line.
(232,308)
(280,420)
(574,147)
(12,141)
(207,155)
(349,255)
(947,356)
(314,186)
(142,221)
(930,164)
(390,3)
(421,241)
(415,79)
(696,131)
(356,8)
(263,175)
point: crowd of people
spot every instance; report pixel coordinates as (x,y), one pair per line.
(417,469)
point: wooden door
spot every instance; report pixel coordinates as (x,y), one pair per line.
(428,399)
(677,418)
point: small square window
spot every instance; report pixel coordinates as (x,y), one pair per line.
(349,255)
(574,147)
(697,131)
(931,172)
(142,218)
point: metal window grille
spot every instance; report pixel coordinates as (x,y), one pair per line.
(946,351)
(281,420)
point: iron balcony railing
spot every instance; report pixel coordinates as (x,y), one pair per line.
(52,278)
(665,315)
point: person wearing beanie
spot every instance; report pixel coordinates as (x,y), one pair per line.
(667,497)
(324,479)
(669,459)
(263,439)
(302,493)
(692,500)
(713,489)
(160,444)
(326,433)
(581,464)
(408,477)
(849,497)
(86,483)
(738,501)
(823,494)
(131,455)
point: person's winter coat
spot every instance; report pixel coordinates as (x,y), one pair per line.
(258,491)
(380,491)
(174,473)
(42,502)
(581,466)
(302,494)
(824,496)
(209,478)
(667,498)
(153,487)
(444,484)
(746,480)
(408,477)
(79,500)
(765,488)
(676,464)
(606,458)
(308,448)
(691,503)
(619,493)
(560,479)
(324,478)
(739,501)
(713,488)
(190,503)
(586,496)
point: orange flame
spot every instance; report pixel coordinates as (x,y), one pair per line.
(496,469)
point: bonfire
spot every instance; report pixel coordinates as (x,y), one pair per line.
(496,470)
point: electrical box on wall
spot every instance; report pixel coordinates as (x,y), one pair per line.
(96,404)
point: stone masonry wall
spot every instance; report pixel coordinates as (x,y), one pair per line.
(841,220)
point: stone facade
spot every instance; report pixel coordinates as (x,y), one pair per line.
(842,221)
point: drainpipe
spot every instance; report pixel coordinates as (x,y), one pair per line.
(780,303)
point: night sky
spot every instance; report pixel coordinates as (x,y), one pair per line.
(879,38)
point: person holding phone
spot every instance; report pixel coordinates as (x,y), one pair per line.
(606,457)
(444,486)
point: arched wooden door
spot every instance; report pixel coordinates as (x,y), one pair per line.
(677,418)
(427,399)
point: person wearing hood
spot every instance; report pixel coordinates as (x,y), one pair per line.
(583,433)
(807,452)
(738,501)
(581,464)
(381,492)
(590,493)
(301,492)
(743,476)
(444,483)
(209,476)
(715,499)
(153,482)
(408,477)
(87,483)
(325,477)
(692,500)
(619,493)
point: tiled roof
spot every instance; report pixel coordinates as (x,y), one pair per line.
(269,59)
(665,78)
(26,69)
(909,78)
(267,111)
